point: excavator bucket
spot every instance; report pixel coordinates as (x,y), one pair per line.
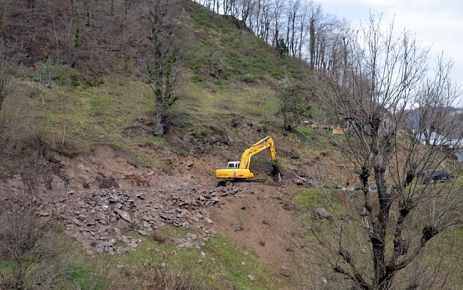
(276,173)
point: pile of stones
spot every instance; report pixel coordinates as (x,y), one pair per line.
(99,218)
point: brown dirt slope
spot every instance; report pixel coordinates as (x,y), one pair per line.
(257,215)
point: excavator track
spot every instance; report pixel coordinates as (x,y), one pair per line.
(233,182)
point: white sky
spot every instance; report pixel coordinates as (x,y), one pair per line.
(437,23)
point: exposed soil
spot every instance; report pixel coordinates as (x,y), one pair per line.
(257,215)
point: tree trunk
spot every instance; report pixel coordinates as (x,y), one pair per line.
(159,130)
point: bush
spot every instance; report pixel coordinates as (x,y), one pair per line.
(31,247)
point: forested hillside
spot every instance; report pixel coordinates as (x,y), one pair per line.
(115,114)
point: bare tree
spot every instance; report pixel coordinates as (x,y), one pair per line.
(162,56)
(303,28)
(314,18)
(265,21)
(383,80)
(292,25)
(230,8)
(247,8)
(277,12)
(433,109)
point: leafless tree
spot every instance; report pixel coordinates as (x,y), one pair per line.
(301,24)
(433,109)
(263,19)
(230,8)
(161,58)
(315,15)
(303,28)
(291,15)
(277,14)
(247,8)
(385,77)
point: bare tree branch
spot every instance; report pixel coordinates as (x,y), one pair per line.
(386,98)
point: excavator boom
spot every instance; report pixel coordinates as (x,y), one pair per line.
(266,143)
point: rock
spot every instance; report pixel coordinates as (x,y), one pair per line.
(321,213)
(79,237)
(54,157)
(121,250)
(106,182)
(142,232)
(284,271)
(188,245)
(117,231)
(43,213)
(251,277)
(289,152)
(298,181)
(76,221)
(95,217)
(123,214)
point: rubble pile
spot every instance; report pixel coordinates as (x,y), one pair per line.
(99,218)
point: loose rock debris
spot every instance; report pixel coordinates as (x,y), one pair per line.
(99,218)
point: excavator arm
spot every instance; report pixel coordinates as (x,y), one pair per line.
(266,143)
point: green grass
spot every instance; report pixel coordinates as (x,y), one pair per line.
(85,279)
(217,263)
(309,198)
(6,268)
(78,119)
(235,264)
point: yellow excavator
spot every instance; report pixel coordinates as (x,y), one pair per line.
(239,170)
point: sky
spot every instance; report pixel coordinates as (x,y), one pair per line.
(437,23)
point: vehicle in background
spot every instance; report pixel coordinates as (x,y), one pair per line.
(354,187)
(435,175)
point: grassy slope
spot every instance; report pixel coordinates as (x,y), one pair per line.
(118,111)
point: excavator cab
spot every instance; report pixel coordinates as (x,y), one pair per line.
(233,164)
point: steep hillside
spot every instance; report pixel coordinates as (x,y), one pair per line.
(92,196)
(77,148)
(227,90)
